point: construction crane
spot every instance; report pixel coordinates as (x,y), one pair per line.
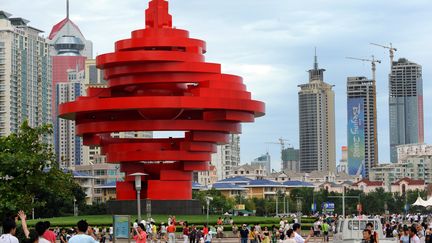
(391,50)
(373,61)
(282,143)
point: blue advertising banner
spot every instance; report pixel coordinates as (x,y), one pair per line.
(328,206)
(356,136)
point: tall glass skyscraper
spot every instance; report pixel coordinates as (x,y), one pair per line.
(362,126)
(406,105)
(317,123)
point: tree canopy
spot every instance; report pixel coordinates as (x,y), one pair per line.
(29,175)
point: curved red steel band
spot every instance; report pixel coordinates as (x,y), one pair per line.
(159,81)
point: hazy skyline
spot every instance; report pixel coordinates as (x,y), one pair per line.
(271,44)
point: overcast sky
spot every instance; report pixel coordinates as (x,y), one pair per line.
(271,43)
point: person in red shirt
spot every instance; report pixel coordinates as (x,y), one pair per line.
(171,232)
(219,221)
(205,230)
(49,235)
(141,235)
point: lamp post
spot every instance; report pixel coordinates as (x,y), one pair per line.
(33,210)
(277,203)
(299,208)
(75,208)
(208,199)
(138,176)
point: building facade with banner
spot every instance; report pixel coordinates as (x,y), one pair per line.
(356,148)
(362,126)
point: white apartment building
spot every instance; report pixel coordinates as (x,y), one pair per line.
(25,75)
(414,162)
(415,167)
(409,150)
(69,147)
(226,157)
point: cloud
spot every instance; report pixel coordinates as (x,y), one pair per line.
(270,43)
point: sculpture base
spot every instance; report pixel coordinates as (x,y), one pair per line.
(168,207)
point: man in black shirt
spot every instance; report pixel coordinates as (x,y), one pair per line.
(244,234)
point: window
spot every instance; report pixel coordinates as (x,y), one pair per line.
(353,225)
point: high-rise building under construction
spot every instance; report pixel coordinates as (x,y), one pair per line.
(317,123)
(362,126)
(406,105)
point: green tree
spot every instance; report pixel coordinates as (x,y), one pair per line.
(219,204)
(29,175)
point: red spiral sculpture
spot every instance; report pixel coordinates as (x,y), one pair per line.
(159,81)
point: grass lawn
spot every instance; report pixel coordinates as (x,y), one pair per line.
(105,220)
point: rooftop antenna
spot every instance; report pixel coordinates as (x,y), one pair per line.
(67,9)
(316,60)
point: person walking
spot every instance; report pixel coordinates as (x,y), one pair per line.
(84,234)
(63,236)
(289,237)
(141,234)
(244,234)
(163,232)
(413,238)
(192,234)
(266,236)
(9,229)
(235,230)
(367,236)
(40,228)
(208,237)
(185,234)
(405,238)
(111,232)
(219,233)
(325,229)
(49,234)
(171,233)
(297,234)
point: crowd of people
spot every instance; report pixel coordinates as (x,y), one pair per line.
(414,228)
(42,232)
(143,232)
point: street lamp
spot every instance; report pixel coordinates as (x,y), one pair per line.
(277,203)
(208,199)
(75,208)
(299,208)
(138,176)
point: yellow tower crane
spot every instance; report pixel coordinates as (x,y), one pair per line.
(373,61)
(391,50)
